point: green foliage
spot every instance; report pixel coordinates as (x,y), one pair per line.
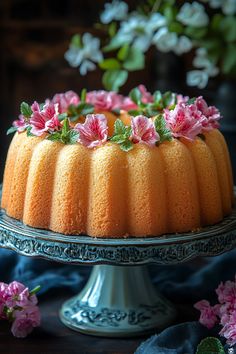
(76,41)
(66,135)
(228,28)
(110,63)
(135,59)
(113,79)
(210,345)
(229,58)
(25,109)
(11,130)
(83,108)
(123,52)
(162,130)
(136,95)
(195,33)
(121,135)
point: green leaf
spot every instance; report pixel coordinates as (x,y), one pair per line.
(135,60)
(134,112)
(210,345)
(119,139)
(56,136)
(123,52)
(115,43)
(35,290)
(161,129)
(136,95)
(229,58)
(119,127)
(65,127)
(112,29)
(113,79)
(157,96)
(126,146)
(191,100)
(73,137)
(169,13)
(62,116)
(83,95)
(25,109)
(110,63)
(76,41)
(28,129)
(176,27)
(195,33)
(228,27)
(216,21)
(11,130)
(85,108)
(168,98)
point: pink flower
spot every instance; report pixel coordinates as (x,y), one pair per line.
(3,288)
(44,119)
(143,131)
(128,104)
(94,130)
(208,314)
(185,120)
(104,101)
(226,292)
(16,294)
(211,113)
(229,329)
(25,320)
(64,100)
(20,123)
(181,98)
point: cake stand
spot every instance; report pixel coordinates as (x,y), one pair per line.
(119,299)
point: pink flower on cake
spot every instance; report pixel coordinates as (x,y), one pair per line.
(208,314)
(25,321)
(185,120)
(94,131)
(44,119)
(180,98)
(20,123)
(210,112)
(103,100)
(143,131)
(128,104)
(64,100)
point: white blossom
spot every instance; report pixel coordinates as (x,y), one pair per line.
(117,10)
(184,45)
(164,40)
(193,15)
(228,6)
(197,78)
(139,30)
(86,55)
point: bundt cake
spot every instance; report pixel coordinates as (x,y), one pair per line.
(106,165)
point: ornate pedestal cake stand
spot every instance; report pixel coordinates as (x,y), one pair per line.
(119,299)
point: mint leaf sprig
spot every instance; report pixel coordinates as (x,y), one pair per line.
(160,102)
(122,135)
(210,345)
(161,129)
(66,135)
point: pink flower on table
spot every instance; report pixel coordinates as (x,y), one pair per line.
(143,131)
(103,100)
(64,100)
(93,132)
(184,120)
(3,288)
(211,113)
(20,123)
(229,329)
(25,321)
(16,294)
(208,316)
(44,119)
(226,292)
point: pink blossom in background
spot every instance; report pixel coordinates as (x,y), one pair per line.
(128,104)
(229,329)
(3,288)
(208,314)
(146,96)
(44,119)
(226,292)
(25,321)
(20,123)
(93,132)
(210,112)
(104,101)
(64,100)
(143,131)
(184,120)
(16,294)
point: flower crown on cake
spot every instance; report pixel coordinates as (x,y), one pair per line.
(154,118)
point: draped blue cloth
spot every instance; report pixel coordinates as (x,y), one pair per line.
(185,283)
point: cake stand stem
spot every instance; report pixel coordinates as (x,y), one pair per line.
(117,301)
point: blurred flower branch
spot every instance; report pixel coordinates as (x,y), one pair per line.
(207,29)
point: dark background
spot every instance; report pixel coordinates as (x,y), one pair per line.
(34,37)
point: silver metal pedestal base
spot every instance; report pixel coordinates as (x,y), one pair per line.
(117,302)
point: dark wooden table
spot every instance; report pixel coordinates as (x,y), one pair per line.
(54,338)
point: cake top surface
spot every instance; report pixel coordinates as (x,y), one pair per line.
(141,117)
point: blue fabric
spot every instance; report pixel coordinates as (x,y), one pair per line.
(185,283)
